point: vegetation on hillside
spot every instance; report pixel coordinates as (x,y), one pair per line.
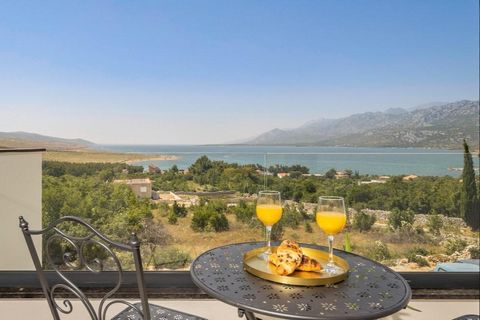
(168,232)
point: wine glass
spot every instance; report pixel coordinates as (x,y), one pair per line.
(331,218)
(269,211)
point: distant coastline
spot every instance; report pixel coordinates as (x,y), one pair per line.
(91,156)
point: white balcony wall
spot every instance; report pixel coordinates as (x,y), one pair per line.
(20,194)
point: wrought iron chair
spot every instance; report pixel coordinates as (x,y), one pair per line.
(76,254)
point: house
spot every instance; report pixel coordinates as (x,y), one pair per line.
(283,174)
(410,177)
(372,181)
(141,187)
(263,173)
(153,169)
(342,175)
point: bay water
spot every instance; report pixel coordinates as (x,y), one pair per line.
(374,161)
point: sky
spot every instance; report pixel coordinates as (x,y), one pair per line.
(216,71)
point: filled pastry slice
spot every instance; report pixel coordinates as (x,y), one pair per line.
(309,264)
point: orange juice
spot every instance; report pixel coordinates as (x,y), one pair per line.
(269,214)
(331,222)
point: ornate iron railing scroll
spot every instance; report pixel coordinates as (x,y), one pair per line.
(76,258)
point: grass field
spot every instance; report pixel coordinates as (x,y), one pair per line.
(84,156)
(195,243)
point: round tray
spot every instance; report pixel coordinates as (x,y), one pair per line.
(262,269)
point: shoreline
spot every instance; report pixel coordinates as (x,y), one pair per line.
(89,156)
(155,158)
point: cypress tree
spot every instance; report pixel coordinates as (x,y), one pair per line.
(469,207)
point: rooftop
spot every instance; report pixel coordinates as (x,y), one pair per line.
(9,149)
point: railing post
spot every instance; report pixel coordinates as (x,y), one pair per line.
(23,224)
(135,243)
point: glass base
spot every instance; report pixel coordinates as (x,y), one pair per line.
(332,269)
(264,255)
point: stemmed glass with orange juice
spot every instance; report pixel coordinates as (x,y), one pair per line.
(269,211)
(331,218)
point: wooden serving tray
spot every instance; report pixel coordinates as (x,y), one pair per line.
(257,266)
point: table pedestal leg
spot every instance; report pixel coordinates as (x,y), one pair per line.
(248,314)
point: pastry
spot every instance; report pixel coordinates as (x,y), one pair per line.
(284,264)
(309,264)
(287,259)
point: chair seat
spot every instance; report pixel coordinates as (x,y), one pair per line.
(468,317)
(156,312)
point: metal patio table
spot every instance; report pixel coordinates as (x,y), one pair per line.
(371,291)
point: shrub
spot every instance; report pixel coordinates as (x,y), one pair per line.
(179,210)
(277,231)
(418,251)
(172,259)
(308,227)
(379,251)
(291,217)
(209,217)
(363,221)
(217,222)
(244,212)
(163,209)
(474,252)
(297,196)
(418,259)
(172,218)
(455,245)
(199,219)
(435,224)
(416,255)
(399,218)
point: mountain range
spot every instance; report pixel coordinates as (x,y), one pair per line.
(20,139)
(430,126)
(434,125)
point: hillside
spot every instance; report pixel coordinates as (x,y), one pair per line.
(22,139)
(442,126)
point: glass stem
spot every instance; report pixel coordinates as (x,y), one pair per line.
(268,232)
(330,249)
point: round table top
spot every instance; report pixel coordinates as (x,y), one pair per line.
(371,290)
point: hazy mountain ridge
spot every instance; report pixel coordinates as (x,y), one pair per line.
(442,126)
(20,139)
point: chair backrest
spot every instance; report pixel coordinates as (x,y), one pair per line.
(77,248)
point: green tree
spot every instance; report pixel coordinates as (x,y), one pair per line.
(330,174)
(398,218)
(201,166)
(469,208)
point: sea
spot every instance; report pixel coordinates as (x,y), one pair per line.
(373,161)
